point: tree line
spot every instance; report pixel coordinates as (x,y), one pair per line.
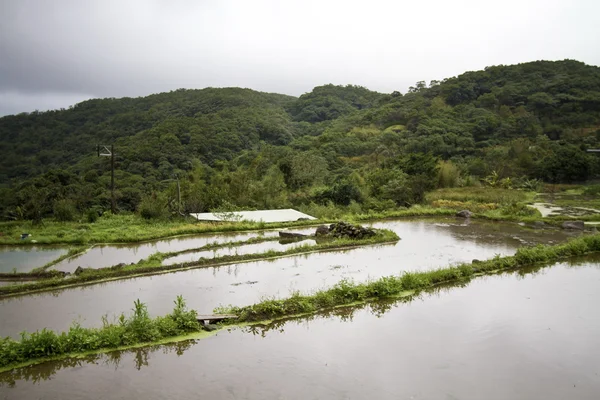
(345,145)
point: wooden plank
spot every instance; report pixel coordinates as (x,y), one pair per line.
(217,317)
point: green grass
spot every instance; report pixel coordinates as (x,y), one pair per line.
(481,195)
(136,329)
(122,228)
(153,264)
(349,293)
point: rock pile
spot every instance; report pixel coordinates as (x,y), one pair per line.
(464,214)
(345,230)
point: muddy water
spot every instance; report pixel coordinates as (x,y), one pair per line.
(108,255)
(24,259)
(425,244)
(512,336)
(256,248)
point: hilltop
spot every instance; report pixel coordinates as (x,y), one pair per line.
(340,144)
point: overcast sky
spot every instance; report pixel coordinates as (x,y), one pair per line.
(56,53)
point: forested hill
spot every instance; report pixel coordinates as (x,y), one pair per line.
(335,143)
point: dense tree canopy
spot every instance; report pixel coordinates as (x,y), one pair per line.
(344,144)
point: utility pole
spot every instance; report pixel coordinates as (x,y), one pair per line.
(178,193)
(104,151)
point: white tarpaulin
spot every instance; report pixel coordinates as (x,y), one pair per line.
(287,215)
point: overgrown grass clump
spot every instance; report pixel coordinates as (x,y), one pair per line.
(465,205)
(348,293)
(127,331)
(480,195)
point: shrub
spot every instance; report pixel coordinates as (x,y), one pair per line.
(64,210)
(152,207)
(448,174)
(91,215)
(593,190)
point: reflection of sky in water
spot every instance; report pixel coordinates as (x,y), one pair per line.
(109,255)
(24,259)
(499,337)
(237,250)
(425,244)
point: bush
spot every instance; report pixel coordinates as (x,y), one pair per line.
(520,210)
(448,174)
(91,215)
(152,207)
(593,190)
(64,211)
(341,193)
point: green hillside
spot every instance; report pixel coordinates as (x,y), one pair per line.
(238,147)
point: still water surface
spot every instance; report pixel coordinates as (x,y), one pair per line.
(510,336)
(26,258)
(425,244)
(255,248)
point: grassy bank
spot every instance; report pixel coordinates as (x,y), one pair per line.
(140,330)
(136,329)
(153,264)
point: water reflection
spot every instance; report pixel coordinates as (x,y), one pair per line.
(256,248)
(380,307)
(142,357)
(101,256)
(425,244)
(26,258)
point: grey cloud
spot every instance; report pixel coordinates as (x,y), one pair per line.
(55,52)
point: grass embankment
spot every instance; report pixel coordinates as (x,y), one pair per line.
(122,228)
(140,330)
(127,332)
(153,264)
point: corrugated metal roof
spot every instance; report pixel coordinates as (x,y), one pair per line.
(287,215)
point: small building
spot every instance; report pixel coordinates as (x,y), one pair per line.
(286,215)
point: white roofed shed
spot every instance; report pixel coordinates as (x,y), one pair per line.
(287,215)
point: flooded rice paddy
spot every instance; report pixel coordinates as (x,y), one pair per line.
(517,336)
(25,259)
(101,256)
(255,248)
(424,244)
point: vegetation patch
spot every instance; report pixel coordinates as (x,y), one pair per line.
(481,195)
(465,205)
(130,331)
